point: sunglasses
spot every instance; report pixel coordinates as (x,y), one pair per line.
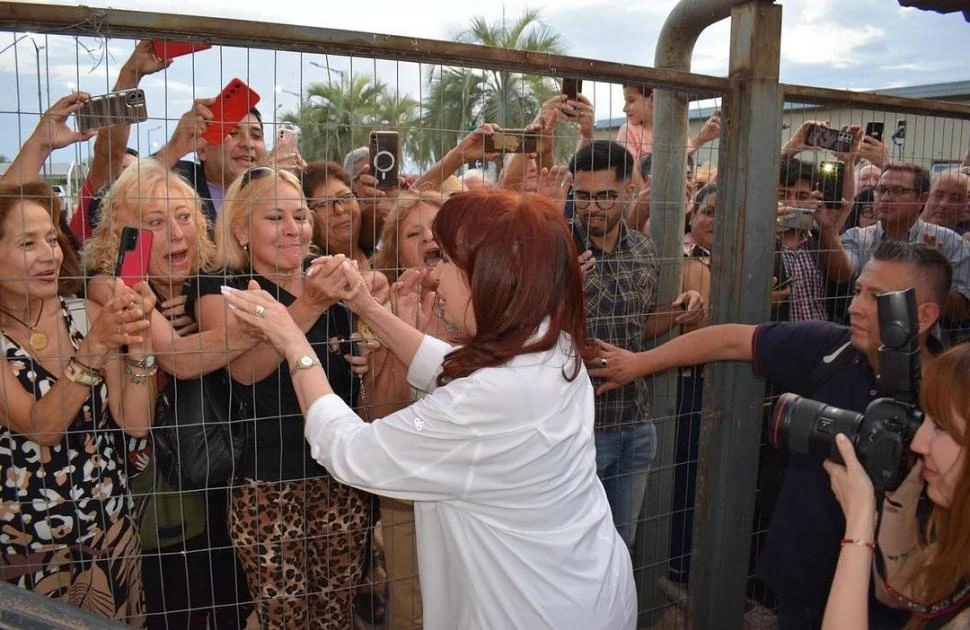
(254,173)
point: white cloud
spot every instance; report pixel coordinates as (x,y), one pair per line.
(827,43)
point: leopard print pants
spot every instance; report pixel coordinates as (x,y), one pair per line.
(303,545)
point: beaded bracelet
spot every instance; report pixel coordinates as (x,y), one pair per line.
(862,543)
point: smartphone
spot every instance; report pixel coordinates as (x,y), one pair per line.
(166,49)
(830,183)
(787,282)
(831,139)
(571,88)
(800,219)
(384,158)
(874,130)
(511,141)
(133,255)
(287,139)
(231,106)
(112,109)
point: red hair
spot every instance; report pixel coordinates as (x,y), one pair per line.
(522,268)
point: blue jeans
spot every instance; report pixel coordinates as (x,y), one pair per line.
(623,459)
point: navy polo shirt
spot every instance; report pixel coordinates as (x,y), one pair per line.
(802,547)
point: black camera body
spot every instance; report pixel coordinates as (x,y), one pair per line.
(882,434)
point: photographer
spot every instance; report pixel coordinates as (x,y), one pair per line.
(827,362)
(938,566)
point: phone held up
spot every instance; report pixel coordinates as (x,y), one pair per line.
(875,130)
(830,182)
(511,141)
(831,139)
(571,88)
(385,156)
(109,110)
(230,107)
(287,139)
(133,255)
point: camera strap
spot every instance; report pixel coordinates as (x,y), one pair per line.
(941,611)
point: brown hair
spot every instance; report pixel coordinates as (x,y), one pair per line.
(921,176)
(522,268)
(644,90)
(70,279)
(946,399)
(387,260)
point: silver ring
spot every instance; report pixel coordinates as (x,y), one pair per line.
(602,362)
(260,309)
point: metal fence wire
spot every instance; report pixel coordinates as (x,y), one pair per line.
(727,197)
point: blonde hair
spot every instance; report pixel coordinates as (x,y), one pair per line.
(122,206)
(387,259)
(237,210)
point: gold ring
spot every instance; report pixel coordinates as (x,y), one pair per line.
(260,309)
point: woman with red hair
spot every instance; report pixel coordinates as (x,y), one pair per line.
(513,526)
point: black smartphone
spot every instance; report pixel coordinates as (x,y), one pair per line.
(832,139)
(830,182)
(571,88)
(875,129)
(511,141)
(384,158)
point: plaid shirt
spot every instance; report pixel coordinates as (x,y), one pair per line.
(620,291)
(807,299)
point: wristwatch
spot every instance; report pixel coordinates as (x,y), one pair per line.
(81,374)
(305,362)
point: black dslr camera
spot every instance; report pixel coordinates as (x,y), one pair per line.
(882,434)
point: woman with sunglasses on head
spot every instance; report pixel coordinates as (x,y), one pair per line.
(300,535)
(926,562)
(513,526)
(67,386)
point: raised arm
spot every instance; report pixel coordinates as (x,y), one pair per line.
(471,148)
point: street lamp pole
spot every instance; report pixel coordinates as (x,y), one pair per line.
(40,99)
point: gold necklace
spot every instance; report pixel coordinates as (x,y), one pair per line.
(38,339)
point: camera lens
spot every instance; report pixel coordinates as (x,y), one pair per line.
(808,427)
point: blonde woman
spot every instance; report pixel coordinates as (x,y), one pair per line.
(191,574)
(300,535)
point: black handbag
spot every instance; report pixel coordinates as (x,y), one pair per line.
(200,431)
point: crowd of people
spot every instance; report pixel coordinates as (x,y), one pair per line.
(441,386)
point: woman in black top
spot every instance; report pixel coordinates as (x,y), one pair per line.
(300,535)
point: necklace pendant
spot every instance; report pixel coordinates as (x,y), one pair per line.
(38,340)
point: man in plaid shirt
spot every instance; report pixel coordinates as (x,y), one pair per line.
(621,301)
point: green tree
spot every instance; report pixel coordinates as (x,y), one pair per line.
(459,99)
(336,117)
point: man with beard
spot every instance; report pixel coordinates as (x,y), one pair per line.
(621,285)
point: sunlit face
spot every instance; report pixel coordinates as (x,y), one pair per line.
(897,202)
(948,200)
(702,223)
(170,213)
(243,148)
(593,189)
(279,231)
(637,107)
(878,276)
(30,257)
(454,296)
(943,460)
(337,215)
(416,246)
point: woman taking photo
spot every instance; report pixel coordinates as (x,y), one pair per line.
(927,565)
(191,575)
(69,531)
(300,535)
(513,526)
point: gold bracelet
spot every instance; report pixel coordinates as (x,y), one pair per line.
(862,543)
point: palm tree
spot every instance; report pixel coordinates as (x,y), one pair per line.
(337,117)
(461,98)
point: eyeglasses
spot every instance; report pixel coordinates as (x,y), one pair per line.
(256,172)
(892,191)
(605,199)
(328,204)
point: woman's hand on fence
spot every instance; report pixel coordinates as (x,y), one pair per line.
(616,365)
(412,304)
(174,311)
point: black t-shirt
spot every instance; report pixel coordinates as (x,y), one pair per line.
(277,450)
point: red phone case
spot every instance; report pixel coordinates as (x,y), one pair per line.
(166,49)
(132,265)
(230,107)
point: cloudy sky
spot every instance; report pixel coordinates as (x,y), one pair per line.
(862,44)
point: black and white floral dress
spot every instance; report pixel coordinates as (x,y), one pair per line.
(66,516)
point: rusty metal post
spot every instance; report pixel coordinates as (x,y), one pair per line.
(744,241)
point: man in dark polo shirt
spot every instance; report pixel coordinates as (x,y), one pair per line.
(802,547)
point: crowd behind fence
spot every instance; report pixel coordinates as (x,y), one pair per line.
(161,550)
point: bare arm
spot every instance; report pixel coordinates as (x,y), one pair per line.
(832,257)
(470,149)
